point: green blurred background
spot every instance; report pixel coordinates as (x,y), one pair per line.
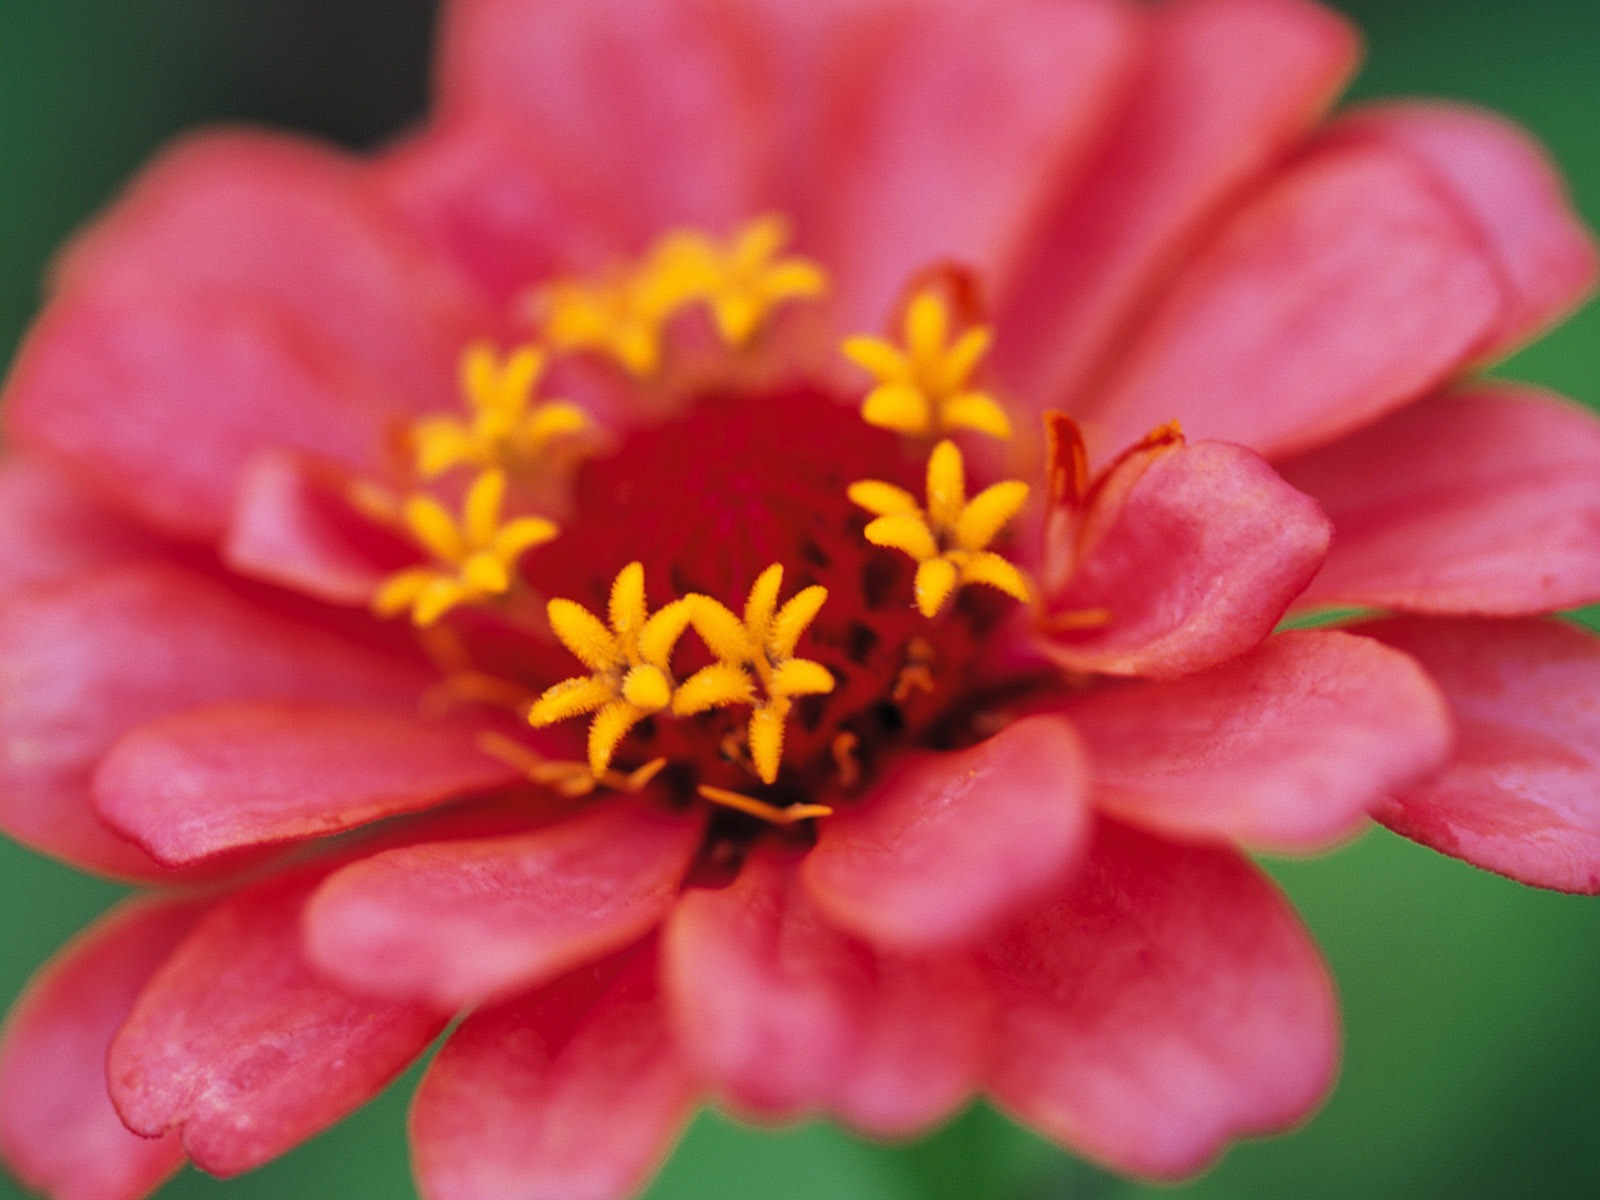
(1472,1005)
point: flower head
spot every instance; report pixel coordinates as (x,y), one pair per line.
(873,840)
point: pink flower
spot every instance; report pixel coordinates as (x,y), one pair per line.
(896,790)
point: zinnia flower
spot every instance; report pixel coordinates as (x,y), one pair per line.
(782,511)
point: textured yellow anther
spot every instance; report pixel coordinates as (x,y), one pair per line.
(504,428)
(743,280)
(630,663)
(474,555)
(757,651)
(949,539)
(924,386)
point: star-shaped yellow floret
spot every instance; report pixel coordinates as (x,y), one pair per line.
(950,538)
(475,555)
(924,387)
(743,280)
(629,659)
(619,315)
(504,427)
(757,652)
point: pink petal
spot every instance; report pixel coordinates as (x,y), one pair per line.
(236,1044)
(575,1091)
(58,1130)
(456,923)
(293,525)
(948,844)
(1346,288)
(952,132)
(222,777)
(648,113)
(1223,89)
(1485,502)
(1194,552)
(1286,748)
(1521,796)
(92,658)
(787,1015)
(51,530)
(1165,1004)
(1512,194)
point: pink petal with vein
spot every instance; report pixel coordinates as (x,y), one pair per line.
(50,530)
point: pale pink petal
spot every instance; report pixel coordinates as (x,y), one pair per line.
(950,135)
(648,113)
(948,844)
(1344,289)
(237,1045)
(1487,502)
(58,1131)
(1521,796)
(92,658)
(223,777)
(786,1015)
(459,922)
(1512,194)
(1190,553)
(1286,748)
(1222,89)
(576,1091)
(51,530)
(1165,1004)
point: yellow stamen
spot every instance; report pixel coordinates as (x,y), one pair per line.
(630,664)
(792,815)
(474,555)
(923,386)
(949,540)
(762,645)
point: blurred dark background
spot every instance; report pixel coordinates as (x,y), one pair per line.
(1471,1004)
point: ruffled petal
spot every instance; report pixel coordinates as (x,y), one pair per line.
(236,1044)
(1521,795)
(1287,748)
(1165,1004)
(1223,88)
(58,1130)
(1344,289)
(51,529)
(947,130)
(223,777)
(90,659)
(1487,502)
(1513,196)
(574,1091)
(786,1015)
(1192,553)
(459,922)
(949,844)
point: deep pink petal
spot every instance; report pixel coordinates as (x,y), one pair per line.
(1486,502)
(1192,553)
(786,1015)
(1286,748)
(459,922)
(951,132)
(1512,194)
(58,1130)
(1521,796)
(576,1091)
(1347,287)
(51,530)
(223,777)
(648,113)
(1223,88)
(1165,1004)
(236,1044)
(92,658)
(948,844)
